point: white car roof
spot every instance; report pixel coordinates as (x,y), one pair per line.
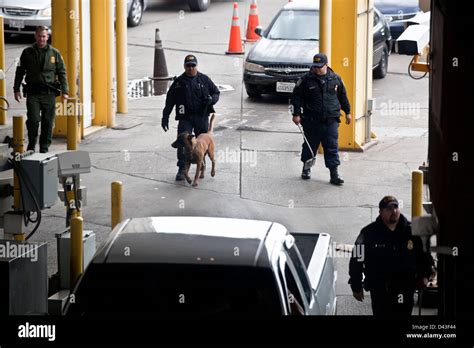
(302,5)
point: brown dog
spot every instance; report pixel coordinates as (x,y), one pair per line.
(195,150)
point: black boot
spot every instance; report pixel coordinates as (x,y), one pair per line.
(335,178)
(180,174)
(306,173)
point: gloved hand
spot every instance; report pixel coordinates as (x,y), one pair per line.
(209,100)
(165,124)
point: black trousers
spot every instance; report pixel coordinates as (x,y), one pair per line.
(197,123)
(392,302)
(326,133)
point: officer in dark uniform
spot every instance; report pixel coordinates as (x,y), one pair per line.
(194,95)
(316,103)
(392,260)
(45,77)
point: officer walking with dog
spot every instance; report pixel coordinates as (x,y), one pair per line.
(316,104)
(193,94)
(392,261)
(43,68)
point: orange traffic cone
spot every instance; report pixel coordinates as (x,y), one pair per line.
(235,41)
(253,22)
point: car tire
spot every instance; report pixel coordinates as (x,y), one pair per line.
(381,70)
(135,14)
(253,92)
(199,5)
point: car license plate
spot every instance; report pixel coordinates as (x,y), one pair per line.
(285,87)
(15,23)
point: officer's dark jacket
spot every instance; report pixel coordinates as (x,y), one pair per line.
(39,76)
(390,258)
(318,99)
(190,96)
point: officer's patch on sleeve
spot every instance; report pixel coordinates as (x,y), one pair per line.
(52,59)
(299,82)
(410,245)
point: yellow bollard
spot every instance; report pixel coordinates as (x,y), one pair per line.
(111,71)
(117,213)
(3,88)
(325,26)
(99,62)
(416,193)
(72,70)
(77,256)
(121,24)
(18,148)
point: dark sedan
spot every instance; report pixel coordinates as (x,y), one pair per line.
(286,49)
(396,12)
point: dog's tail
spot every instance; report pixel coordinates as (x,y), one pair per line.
(211,124)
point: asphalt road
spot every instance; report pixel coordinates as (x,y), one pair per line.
(258,168)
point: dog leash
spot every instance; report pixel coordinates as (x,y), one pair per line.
(306,140)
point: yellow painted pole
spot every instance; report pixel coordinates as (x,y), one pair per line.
(325,35)
(70,198)
(117,212)
(77,254)
(72,71)
(351,50)
(416,193)
(60,41)
(3,88)
(325,23)
(80,135)
(18,148)
(122,68)
(111,76)
(99,62)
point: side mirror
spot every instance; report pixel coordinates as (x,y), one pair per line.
(259,31)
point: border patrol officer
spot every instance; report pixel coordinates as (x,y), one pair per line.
(392,260)
(316,103)
(194,95)
(43,68)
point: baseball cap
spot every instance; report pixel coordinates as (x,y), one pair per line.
(319,60)
(387,201)
(190,59)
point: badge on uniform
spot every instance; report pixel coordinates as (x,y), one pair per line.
(335,88)
(410,245)
(52,59)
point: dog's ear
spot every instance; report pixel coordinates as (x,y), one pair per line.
(175,144)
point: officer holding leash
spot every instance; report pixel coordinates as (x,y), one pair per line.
(316,102)
(194,95)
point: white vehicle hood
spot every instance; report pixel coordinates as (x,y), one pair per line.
(29,4)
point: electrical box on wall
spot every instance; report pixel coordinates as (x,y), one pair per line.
(41,174)
(23,278)
(64,253)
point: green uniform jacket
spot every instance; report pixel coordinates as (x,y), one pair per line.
(39,76)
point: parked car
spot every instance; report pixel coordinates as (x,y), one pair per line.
(23,16)
(286,48)
(197,266)
(199,5)
(396,11)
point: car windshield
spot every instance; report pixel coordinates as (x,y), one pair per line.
(295,25)
(156,290)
